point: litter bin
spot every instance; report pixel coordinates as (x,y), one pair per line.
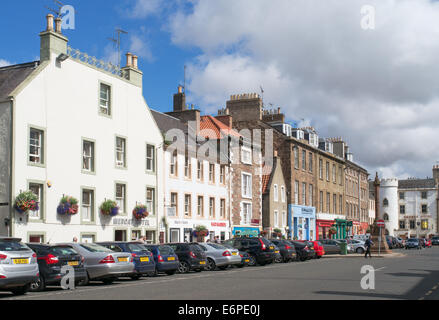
(343,248)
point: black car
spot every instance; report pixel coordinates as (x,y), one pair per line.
(435,241)
(287,249)
(245,257)
(190,255)
(303,251)
(51,258)
(165,258)
(261,251)
(330,246)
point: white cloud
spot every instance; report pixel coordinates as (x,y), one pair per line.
(4,63)
(379,89)
(145,8)
(140,47)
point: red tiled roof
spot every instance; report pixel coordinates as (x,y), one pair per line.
(215,129)
(265,180)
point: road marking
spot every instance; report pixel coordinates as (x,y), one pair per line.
(421,298)
(435,287)
(428,293)
(380,269)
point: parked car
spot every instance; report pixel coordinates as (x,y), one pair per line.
(318,248)
(18,266)
(260,250)
(356,246)
(330,246)
(103,264)
(390,242)
(413,243)
(166,260)
(220,256)
(312,251)
(435,241)
(143,259)
(51,259)
(277,255)
(302,251)
(191,257)
(245,257)
(400,242)
(286,248)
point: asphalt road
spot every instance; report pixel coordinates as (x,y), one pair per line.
(414,276)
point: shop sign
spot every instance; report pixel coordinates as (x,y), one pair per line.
(218,224)
(133,222)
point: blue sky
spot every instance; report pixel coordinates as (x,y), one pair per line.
(376,88)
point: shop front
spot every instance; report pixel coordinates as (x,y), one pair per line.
(128,229)
(246,231)
(182,230)
(302,222)
(322,228)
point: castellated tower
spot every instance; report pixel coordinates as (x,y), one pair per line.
(389,207)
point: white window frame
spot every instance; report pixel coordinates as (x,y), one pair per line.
(105,102)
(200,206)
(88,159)
(222,208)
(304,193)
(276,218)
(150,158)
(276,193)
(246,217)
(211,207)
(121,199)
(282,194)
(246,155)
(246,192)
(284,218)
(187,204)
(89,207)
(121,152)
(38,144)
(296,192)
(150,202)
(37,215)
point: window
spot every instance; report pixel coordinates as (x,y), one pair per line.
(222,208)
(37,189)
(150,200)
(246,185)
(150,158)
(211,172)
(412,224)
(246,212)
(340,175)
(303,193)
(36,151)
(321,201)
(211,207)
(334,173)
(402,209)
(327,171)
(246,155)
(36,238)
(276,193)
(311,195)
(385,203)
(310,162)
(87,207)
(401,224)
(282,194)
(276,218)
(200,206)
(174,202)
(222,174)
(341,204)
(296,192)
(334,203)
(187,166)
(328,202)
(386,217)
(121,197)
(401,196)
(173,166)
(187,204)
(424,195)
(320,168)
(284,219)
(424,224)
(200,170)
(88,156)
(303,159)
(296,157)
(424,208)
(105,99)
(121,152)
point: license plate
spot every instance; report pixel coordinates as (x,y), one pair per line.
(171,259)
(271,248)
(234,253)
(276,251)
(247,260)
(144,259)
(20,261)
(73,263)
(122,259)
(202,262)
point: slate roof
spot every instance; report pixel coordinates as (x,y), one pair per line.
(417,184)
(12,76)
(166,122)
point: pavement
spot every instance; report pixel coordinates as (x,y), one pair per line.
(406,275)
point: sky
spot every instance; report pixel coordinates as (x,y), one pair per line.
(376,88)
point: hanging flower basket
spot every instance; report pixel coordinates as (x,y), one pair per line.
(200,231)
(332,231)
(109,208)
(264,233)
(139,212)
(68,206)
(25,202)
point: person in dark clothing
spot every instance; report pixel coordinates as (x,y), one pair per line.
(368,244)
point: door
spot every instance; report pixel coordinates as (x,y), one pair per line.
(120,235)
(174,235)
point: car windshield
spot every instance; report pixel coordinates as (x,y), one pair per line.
(92,247)
(166,250)
(6,245)
(216,246)
(196,247)
(134,247)
(63,251)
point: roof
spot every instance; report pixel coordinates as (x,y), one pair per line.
(218,130)
(417,184)
(265,181)
(12,76)
(166,122)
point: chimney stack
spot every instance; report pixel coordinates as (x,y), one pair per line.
(49,18)
(52,43)
(129,56)
(58,25)
(135,66)
(179,100)
(436,173)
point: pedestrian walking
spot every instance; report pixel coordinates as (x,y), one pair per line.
(75,240)
(368,243)
(217,239)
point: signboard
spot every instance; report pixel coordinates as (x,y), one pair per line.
(218,224)
(381,224)
(133,222)
(246,232)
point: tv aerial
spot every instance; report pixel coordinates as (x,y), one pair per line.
(117,42)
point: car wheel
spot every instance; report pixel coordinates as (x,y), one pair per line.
(135,277)
(278,260)
(183,267)
(360,250)
(171,272)
(108,281)
(38,286)
(84,282)
(252,261)
(211,266)
(20,290)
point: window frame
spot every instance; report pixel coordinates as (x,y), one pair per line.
(248,195)
(109,108)
(92,205)
(122,211)
(124,152)
(42,200)
(42,147)
(92,142)
(152,160)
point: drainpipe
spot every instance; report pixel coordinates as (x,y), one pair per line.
(11,170)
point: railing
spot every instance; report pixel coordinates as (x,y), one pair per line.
(93,61)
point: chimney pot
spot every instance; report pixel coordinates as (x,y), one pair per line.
(180,89)
(129,59)
(58,24)
(275,153)
(49,18)
(135,66)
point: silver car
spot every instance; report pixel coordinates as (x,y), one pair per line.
(18,266)
(220,256)
(103,264)
(357,246)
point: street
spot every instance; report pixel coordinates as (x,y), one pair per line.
(414,276)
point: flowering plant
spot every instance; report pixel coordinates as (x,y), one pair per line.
(139,212)
(109,208)
(68,205)
(26,201)
(201,231)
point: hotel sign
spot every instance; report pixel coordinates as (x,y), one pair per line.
(133,222)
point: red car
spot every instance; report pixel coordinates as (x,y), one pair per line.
(316,246)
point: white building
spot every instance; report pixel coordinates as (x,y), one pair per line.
(78,127)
